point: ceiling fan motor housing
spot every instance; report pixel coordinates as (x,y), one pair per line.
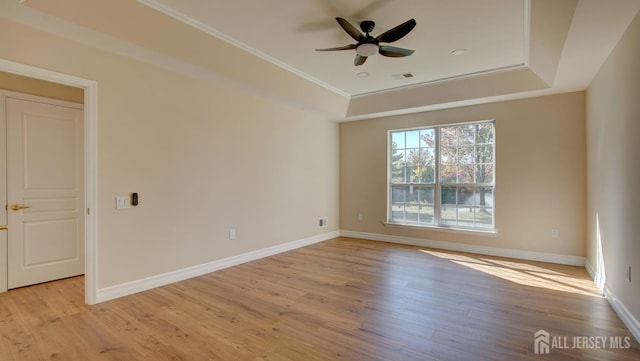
(367,26)
(367,44)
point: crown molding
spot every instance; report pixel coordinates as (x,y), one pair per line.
(160,7)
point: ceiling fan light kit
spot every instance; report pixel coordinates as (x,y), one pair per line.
(367,45)
(367,49)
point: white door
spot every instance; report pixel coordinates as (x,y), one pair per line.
(45,192)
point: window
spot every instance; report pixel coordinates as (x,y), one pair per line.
(443,176)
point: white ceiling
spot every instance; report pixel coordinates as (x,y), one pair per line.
(514,48)
(494,33)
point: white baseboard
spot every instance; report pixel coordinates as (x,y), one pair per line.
(462,247)
(128,288)
(623,312)
(590,270)
(594,274)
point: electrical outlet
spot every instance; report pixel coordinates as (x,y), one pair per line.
(322,222)
(360,216)
(555,233)
(232,233)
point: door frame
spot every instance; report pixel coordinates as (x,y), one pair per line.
(90,168)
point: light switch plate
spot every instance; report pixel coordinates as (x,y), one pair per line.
(123,202)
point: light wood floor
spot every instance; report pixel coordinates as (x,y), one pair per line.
(344,299)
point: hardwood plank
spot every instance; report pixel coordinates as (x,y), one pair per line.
(344,299)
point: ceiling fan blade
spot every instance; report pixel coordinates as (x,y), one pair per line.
(359,60)
(394,52)
(398,32)
(350,29)
(346,47)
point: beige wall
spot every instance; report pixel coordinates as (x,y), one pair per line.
(204,158)
(613,133)
(540,173)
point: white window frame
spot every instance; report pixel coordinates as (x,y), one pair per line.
(438,184)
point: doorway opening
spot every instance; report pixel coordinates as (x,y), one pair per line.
(89,88)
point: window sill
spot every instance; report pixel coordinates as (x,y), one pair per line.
(477,232)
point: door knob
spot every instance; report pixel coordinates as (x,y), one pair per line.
(17,207)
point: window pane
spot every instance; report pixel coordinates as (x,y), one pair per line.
(424,204)
(398,200)
(485,197)
(448,155)
(428,137)
(466,196)
(449,174)
(425,195)
(416,157)
(397,166)
(449,211)
(484,154)
(448,137)
(411,212)
(397,138)
(449,215)
(398,156)
(465,173)
(466,155)
(426,215)
(413,204)
(413,139)
(448,195)
(466,134)
(430,156)
(397,214)
(484,217)
(466,216)
(484,133)
(413,174)
(428,174)
(484,173)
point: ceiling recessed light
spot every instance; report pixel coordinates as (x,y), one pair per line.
(363,74)
(458,52)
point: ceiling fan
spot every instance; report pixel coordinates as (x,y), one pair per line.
(367,45)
